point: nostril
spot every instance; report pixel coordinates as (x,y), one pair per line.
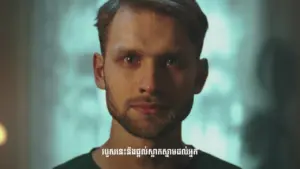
(142,90)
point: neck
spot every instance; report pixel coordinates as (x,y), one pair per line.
(120,138)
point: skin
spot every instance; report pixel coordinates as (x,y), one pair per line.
(150,59)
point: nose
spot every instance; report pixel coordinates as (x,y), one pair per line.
(148,81)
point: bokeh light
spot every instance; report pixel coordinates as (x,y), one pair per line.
(3,135)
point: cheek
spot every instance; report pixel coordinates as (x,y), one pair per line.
(184,88)
(119,86)
(184,81)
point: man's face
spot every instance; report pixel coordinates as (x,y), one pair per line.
(150,72)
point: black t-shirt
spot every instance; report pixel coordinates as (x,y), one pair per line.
(201,161)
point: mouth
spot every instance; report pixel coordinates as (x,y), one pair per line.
(147,108)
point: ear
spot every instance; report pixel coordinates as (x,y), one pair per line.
(202,73)
(98,65)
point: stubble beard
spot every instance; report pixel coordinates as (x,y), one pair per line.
(158,127)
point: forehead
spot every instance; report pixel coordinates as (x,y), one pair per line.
(145,30)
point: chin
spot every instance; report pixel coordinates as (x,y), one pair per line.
(148,129)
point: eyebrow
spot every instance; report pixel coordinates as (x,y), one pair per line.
(122,50)
(125,51)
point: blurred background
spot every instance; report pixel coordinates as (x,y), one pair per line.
(51,111)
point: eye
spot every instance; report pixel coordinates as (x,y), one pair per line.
(172,61)
(131,59)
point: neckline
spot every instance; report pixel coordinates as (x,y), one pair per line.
(93,162)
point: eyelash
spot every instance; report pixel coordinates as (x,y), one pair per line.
(134,63)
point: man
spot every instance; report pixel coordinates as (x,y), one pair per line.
(151,69)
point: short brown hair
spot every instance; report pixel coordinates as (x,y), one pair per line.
(187,12)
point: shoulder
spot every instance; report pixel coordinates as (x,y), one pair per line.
(205,160)
(79,162)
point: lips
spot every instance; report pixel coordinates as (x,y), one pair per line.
(146,108)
